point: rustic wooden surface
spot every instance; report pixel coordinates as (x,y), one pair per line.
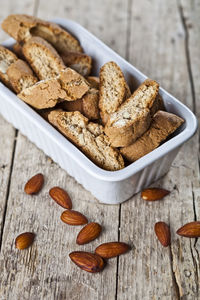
(161,38)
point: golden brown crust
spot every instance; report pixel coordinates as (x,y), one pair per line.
(112,88)
(44,94)
(17,49)
(133,117)
(20,76)
(162,126)
(23,27)
(7,57)
(80,62)
(73,83)
(93,81)
(89,137)
(43,58)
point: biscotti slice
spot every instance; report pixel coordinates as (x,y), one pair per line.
(88,105)
(23,27)
(93,81)
(112,89)
(162,126)
(43,58)
(133,117)
(20,76)
(73,83)
(7,57)
(43,94)
(80,62)
(89,137)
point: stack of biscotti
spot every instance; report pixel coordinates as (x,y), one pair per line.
(48,70)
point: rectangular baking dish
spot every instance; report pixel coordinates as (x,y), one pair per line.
(108,187)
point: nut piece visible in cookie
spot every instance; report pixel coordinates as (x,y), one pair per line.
(80,62)
(112,89)
(7,57)
(162,126)
(133,117)
(73,83)
(89,137)
(88,105)
(93,81)
(43,58)
(20,76)
(44,94)
(23,27)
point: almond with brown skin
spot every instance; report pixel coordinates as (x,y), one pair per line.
(87,261)
(34,184)
(190,230)
(73,217)
(162,232)
(24,240)
(153,194)
(112,249)
(90,232)
(61,197)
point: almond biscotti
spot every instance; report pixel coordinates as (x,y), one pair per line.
(44,94)
(68,86)
(73,83)
(7,58)
(89,137)
(93,81)
(133,117)
(112,89)
(80,62)
(88,105)
(23,27)
(43,58)
(20,76)
(162,126)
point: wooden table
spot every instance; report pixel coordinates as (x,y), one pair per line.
(161,38)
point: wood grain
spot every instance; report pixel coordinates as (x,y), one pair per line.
(8,133)
(45,271)
(162,40)
(154,272)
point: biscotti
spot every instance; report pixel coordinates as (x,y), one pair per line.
(44,94)
(43,58)
(17,49)
(20,76)
(88,105)
(93,81)
(73,83)
(7,57)
(23,27)
(133,117)
(112,89)
(80,62)
(89,137)
(162,126)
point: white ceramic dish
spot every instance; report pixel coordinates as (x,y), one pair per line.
(108,187)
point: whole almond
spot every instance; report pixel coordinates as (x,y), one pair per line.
(191,230)
(90,232)
(24,240)
(73,217)
(87,261)
(153,194)
(61,197)
(162,232)
(112,249)
(34,184)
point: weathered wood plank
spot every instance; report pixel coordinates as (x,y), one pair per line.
(45,271)
(6,130)
(153,272)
